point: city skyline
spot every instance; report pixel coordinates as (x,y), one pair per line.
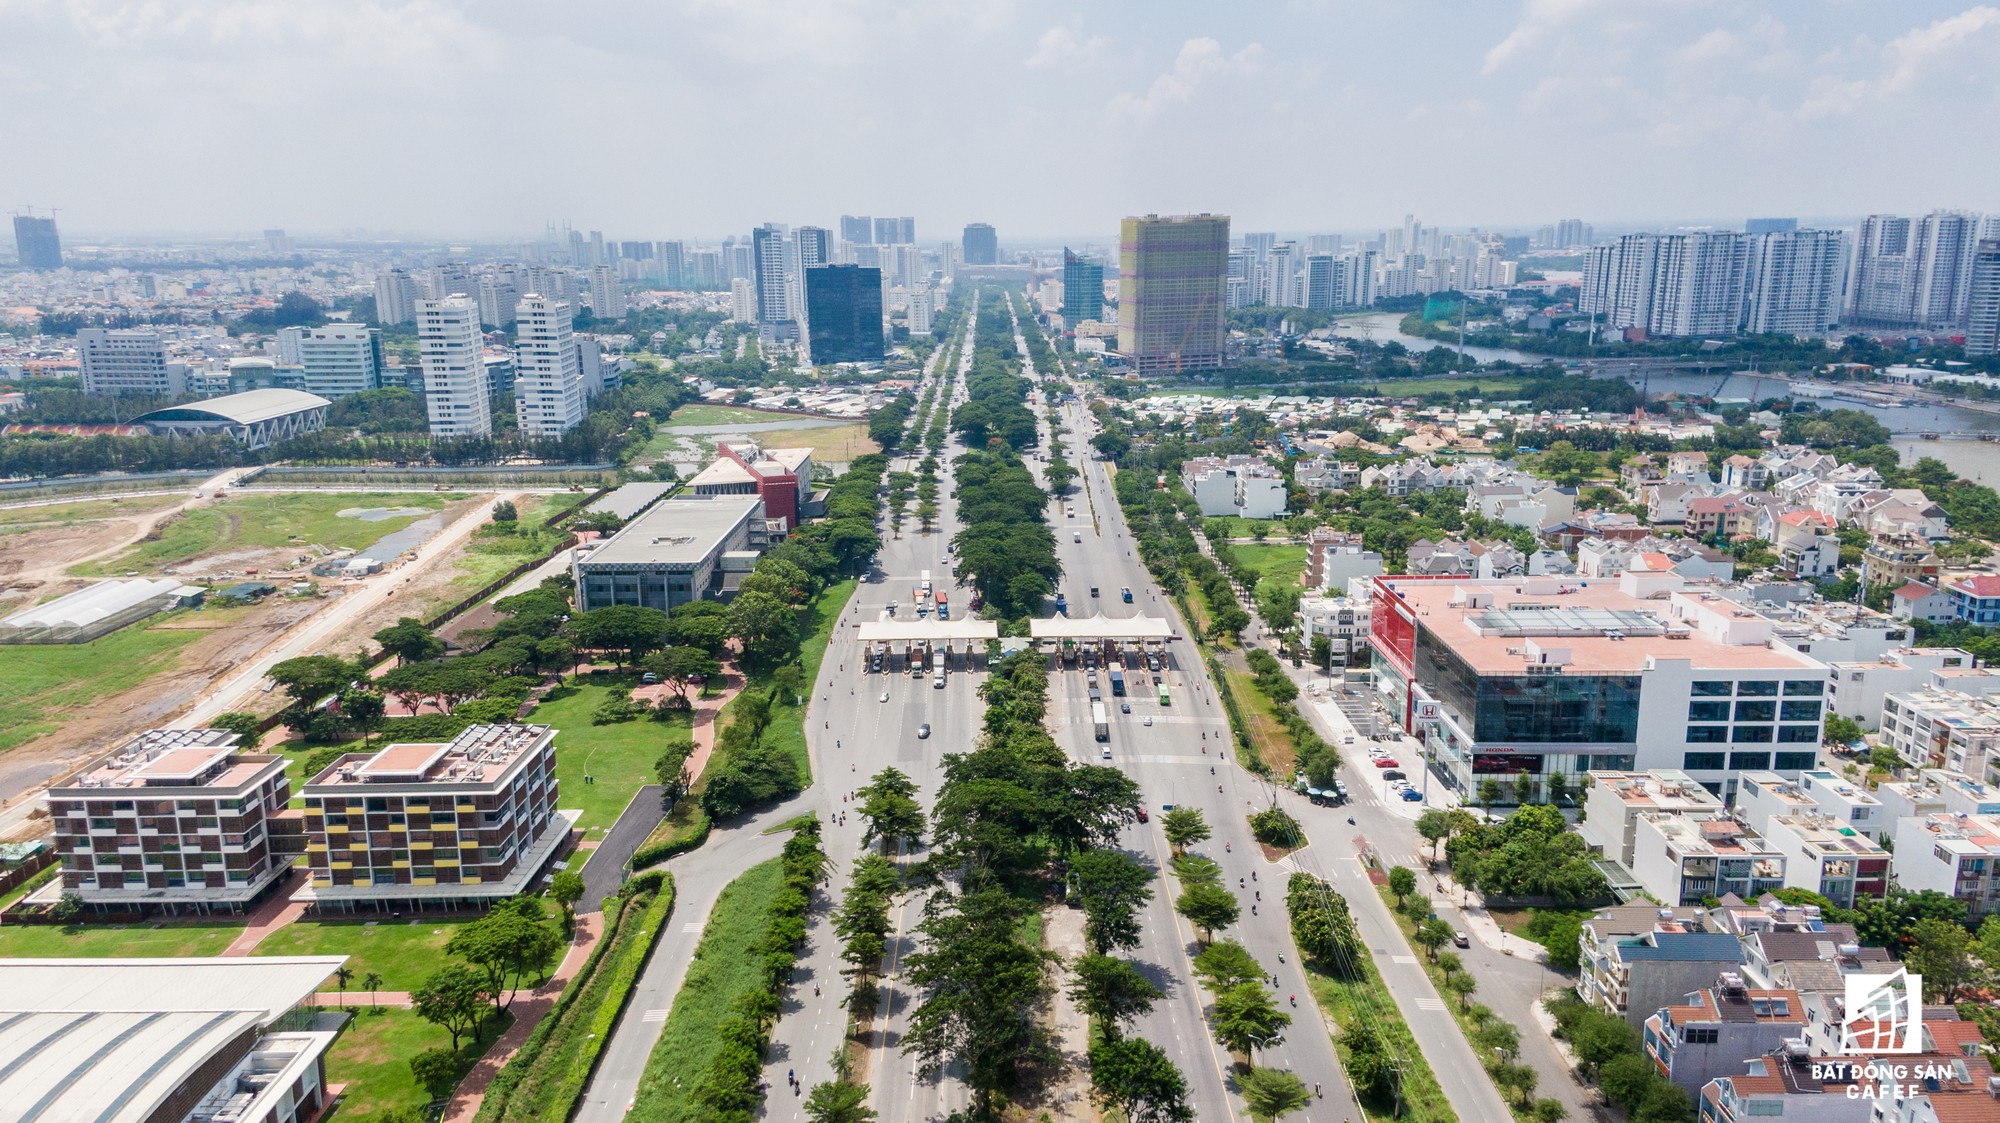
(1575,108)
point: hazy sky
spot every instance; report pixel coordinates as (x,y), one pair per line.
(689,118)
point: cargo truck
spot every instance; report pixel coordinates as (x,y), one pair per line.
(1101,721)
(1117,683)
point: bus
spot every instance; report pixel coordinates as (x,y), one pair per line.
(1164,700)
(1101,721)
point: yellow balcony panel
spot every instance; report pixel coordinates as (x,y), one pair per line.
(444,862)
(400,864)
(415,845)
(399,827)
(336,829)
(423,881)
(343,865)
(315,847)
(468,844)
(467,809)
(470,880)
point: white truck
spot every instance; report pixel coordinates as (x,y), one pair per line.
(937,670)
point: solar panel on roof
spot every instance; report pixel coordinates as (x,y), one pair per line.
(1549,620)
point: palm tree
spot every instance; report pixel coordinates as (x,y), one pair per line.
(373,982)
(343,975)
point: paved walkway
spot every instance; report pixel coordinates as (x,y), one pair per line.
(707,714)
(277,911)
(529,1007)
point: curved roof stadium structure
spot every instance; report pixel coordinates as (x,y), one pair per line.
(258,418)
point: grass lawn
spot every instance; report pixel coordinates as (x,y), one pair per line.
(1495,387)
(702,413)
(402,952)
(843,442)
(1273,561)
(85,510)
(494,550)
(620,757)
(716,977)
(1268,738)
(1350,1003)
(372,1057)
(253,521)
(166,939)
(39,681)
(788,723)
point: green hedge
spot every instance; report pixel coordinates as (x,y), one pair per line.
(653,853)
(545,1079)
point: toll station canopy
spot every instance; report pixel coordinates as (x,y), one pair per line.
(1102,627)
(927,631)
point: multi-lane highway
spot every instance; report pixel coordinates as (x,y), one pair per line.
(1171,758)
(854,734)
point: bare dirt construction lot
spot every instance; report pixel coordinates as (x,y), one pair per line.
(62,704)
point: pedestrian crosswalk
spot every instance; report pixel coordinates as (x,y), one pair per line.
(691,926)
(1429,1003)
(657,1014)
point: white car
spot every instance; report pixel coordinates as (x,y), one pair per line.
(1149,719)
(885,696)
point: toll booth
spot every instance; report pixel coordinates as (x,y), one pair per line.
(1101,642)
(907,645)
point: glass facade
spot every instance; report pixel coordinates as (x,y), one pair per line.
(844,314)
(1536,709)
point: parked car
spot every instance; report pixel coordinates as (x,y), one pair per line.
(1412,795)
(1386,762)
(1392,774)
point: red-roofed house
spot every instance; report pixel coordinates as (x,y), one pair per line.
(1975,599)
(1806,544)
(1918,601)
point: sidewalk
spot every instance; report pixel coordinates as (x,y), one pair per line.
(528,1012)
(276,912)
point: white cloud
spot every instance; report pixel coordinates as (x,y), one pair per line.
(1719,43)
(1538,19)
(1199,60)
(1906,58)
(1059,47)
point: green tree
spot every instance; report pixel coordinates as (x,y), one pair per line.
(309,678)
(1464,986)
(453,998)
(681,667)
(1112,991)
(1272,1093)
(1226,963)
(627,631)
(1184,826)
(1322,925)
(1550,1111)
(768,628)
(436,1070)
(1499,1036)
(1245,1019)
(1626,1079)
(1208,907)
(1137,1078)
(890,809)
(1435,826)
(1941,952)
(1489,793)
(1402,882)
(1841,730)
(1431,934)
(566,888)
(409,641)
(505,512)
(671,772)
(834,1101)
(1112,887)
(342,976)
(244,725)
(506,946)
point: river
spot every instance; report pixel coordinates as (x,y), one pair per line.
(1969,457)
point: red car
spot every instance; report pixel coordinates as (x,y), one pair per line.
(1143,817)
(1385,762)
